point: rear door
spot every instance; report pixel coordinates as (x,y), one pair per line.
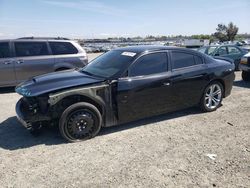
(32,58)
(7,73)
(66,55)
(235,54)
(188,79)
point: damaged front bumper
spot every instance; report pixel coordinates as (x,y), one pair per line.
(20,115)
(28,115)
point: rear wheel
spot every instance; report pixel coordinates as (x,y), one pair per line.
(80,121)
(212,97)
(245,76)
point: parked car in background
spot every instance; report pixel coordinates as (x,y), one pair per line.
(245,67)
(228,51)
(124,85)
(23,58)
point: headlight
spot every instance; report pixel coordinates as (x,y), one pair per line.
(23,91)
(243,60)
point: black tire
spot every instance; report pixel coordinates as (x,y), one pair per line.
(80,121)
(204,103)
(245,76)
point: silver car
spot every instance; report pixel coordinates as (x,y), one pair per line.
(23,58)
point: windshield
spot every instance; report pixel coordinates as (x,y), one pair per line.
(202,50)
(207,50)
(211,50)
(109,64)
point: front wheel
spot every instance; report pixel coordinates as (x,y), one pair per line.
(80,121)
(212,97)
(245,76)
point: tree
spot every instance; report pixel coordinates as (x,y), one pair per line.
(221,33)
(226,33)
(201,36)
(232,31)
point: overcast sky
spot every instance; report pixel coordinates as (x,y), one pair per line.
(110,18)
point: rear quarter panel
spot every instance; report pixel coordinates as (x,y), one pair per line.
(224,71)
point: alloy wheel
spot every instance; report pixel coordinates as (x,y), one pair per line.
(213,96)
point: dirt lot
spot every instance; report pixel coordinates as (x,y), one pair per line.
(165,151)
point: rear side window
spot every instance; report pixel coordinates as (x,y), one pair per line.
(198,60)
(149,64)
(182,60)
(60,48)
(31,49)
(202,50)
(4,50)
(233,50)
(211,50)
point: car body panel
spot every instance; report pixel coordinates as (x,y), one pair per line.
(134,96)
(7,72)
(7,69)
(28,67)
(43,84)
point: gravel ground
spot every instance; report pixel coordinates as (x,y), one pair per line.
(182,149)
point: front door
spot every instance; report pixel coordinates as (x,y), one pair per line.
(147,90)
(7,73)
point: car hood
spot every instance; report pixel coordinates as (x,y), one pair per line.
(55,81)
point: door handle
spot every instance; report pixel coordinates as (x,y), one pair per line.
(124,99)
(166,84)
(19,61)
(7,62)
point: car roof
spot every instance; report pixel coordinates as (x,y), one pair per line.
(221,45)
(5,40)
(144,48)
(33,40)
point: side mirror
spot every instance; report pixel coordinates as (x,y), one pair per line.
(216,54)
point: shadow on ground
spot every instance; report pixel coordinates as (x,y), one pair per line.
(241,83)
(14,136)
(7,90)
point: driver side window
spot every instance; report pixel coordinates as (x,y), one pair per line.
(149,64)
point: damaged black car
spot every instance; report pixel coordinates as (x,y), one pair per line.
(121,86)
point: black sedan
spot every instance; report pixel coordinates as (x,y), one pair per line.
(124,85)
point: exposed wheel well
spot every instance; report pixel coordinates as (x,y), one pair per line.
(69,100)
